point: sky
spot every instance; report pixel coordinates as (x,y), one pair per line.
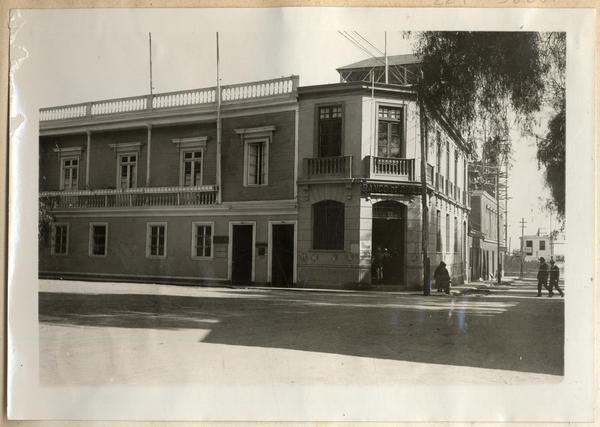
(72,56)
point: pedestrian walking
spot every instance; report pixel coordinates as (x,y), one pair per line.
(378,264)
(442,278)
(542,277)
(554,276)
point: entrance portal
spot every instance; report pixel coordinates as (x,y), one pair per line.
(241,255)
(282,261)
(388,242)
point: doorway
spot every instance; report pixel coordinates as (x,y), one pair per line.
(388,241)
(242,254)
(282,254)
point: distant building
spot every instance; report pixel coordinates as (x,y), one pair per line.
(483,236)
(540,245)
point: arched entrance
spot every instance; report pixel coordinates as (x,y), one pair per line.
(388,238)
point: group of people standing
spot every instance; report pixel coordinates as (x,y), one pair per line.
(546,275)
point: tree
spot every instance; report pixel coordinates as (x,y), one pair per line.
(490,77)
(45,220)
(551,150)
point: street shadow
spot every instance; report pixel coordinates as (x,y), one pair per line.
(525,336)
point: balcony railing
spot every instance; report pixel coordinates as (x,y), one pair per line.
(285,86)
(390,168)
(328,167)
(132,197)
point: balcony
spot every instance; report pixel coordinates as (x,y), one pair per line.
(389,168)
(132,197)
(327,167)
(284,87)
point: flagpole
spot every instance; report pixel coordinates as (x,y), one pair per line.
(150,51)
(218,99)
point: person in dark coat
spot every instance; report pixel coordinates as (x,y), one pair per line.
(542,277)
(554,276)
(442,278)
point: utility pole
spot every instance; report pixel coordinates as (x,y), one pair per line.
(424,207)
(150,52)
(523,222)
(498,266)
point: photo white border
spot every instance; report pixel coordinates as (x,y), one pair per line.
(571,400)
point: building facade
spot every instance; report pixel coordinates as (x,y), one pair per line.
(279,185)
(483,236)
(360,186)
(143,189)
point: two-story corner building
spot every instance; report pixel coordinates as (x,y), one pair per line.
(360,188)
(483,235)
(163,188)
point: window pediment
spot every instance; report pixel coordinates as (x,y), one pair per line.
(196,142)
(257,132)
(129,147)
(68,151)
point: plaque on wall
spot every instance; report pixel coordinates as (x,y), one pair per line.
(220,240)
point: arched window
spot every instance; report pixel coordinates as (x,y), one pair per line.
(328,225)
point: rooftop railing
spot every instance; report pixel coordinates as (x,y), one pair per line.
(230,94)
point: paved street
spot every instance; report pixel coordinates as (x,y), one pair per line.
(120,333)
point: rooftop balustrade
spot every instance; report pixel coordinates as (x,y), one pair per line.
(230,94)
(131,197)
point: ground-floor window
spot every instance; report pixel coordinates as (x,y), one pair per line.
(456,241)
(98,239)
(60,239)
(202,240)
(156,240)
(448,232)
(328,225)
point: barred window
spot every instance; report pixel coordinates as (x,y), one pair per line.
(60,239)
(202,240)
(328,225)
(98,239)
(438,232)
(156,240)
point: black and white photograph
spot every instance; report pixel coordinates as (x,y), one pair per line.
(286,214)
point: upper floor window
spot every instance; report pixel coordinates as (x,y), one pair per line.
(70,173)
(456,167)
(192,168)
(328,225)
(256,161)
(447,160)
(389,132)
(128,170)
(191,165)
(330,131)
(156,240)
(60,239)
(542,245)
(98,239)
